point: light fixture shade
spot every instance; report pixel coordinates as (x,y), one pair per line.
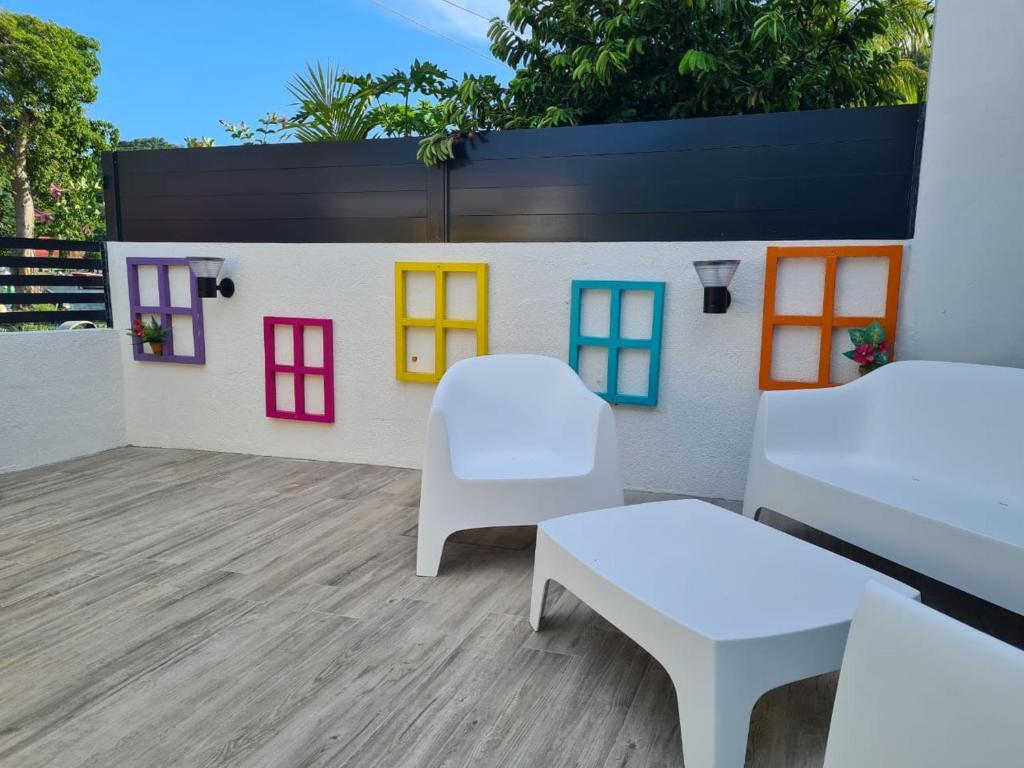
(205,266)
(716,274)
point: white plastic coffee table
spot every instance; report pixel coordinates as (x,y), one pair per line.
(730,608)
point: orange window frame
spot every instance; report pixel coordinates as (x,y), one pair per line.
(828,320)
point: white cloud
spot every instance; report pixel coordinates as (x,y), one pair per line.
(452,21)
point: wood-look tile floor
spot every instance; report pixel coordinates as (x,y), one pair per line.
(183,608)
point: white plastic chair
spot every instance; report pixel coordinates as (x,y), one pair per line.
(920,690)
(512,440)
(920,462)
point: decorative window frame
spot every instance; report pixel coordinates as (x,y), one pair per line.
(298,368)
(165,310)
(614,341)
(440,322)
(827,321)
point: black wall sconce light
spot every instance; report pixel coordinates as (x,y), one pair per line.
(206,269)
(715,276)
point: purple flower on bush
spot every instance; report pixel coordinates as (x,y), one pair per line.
(44,217)
(86,230)
(56,192)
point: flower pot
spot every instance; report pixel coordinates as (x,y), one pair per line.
(865,369)
(156,347)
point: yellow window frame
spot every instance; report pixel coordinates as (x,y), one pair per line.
(440,322)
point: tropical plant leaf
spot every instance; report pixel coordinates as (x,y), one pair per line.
(697,61)
(858,336)
(850,354)
(331,105)
(769,26)
(874,333)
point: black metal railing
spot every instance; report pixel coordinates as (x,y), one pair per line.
(44,283)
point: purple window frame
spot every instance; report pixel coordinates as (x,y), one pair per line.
(166,310)
(298,368)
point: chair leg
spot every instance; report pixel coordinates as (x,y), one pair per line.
(429,546)
(540,594)
(714,718)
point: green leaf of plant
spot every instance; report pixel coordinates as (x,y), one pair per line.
(849,354)
(697,61)
(875,333)
(858,336)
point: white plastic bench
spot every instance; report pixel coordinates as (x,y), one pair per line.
(919,462)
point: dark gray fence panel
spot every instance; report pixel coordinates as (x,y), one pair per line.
(365,191)
(798,175)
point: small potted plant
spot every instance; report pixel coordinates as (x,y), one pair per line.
(151,333)
(871,350)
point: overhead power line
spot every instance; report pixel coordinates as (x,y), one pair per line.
(431,30)
(467,10)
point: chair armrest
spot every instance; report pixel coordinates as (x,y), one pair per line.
(606,445)
(437,455)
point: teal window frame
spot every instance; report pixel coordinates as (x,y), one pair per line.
(615,342)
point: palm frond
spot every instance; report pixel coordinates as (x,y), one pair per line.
(330,105)
(909,80)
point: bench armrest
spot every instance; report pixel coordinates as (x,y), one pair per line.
(827,420)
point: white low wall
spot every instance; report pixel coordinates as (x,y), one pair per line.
(61,396)
(696,441)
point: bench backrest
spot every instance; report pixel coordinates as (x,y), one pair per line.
(961,421)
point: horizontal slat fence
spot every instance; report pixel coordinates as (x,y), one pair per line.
(361,191)
(68,274)
(848,173)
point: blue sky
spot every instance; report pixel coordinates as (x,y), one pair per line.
(172,68)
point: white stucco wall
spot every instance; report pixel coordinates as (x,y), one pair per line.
(61,396)
(965,273)
(696,441)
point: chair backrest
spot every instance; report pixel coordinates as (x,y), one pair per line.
(516,400)
(920,690)
(955,420)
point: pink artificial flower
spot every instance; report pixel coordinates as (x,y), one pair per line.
(883,347)
(44,217)
(864,354)
(56,192)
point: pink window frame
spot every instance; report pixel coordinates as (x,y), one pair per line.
(298,368)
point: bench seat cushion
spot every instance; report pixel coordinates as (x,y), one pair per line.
(970,537)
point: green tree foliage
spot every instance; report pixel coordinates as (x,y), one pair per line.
(149,142)
(579,61)
(48,147)
(424,101)
(333,105)
(604,61)
(6,206)
(268,128)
